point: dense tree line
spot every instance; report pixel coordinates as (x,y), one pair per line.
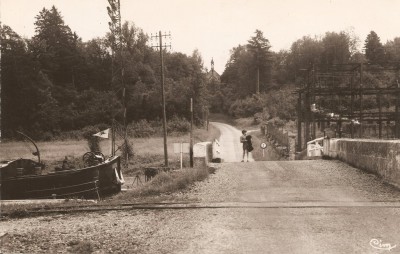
(55,82)
(282,71)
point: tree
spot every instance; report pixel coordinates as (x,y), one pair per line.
(259,46)
(374,49)
(336,48)
(239,73)
(392,50)
(55,47)
(303,54)
(199,87)
(17,77)
(280,67)
(97,65)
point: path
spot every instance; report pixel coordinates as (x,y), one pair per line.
(231,148)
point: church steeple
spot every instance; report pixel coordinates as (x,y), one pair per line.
(212,74)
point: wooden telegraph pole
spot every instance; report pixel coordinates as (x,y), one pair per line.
(161,47)
(258,77)
(0,85)
(1,27)
(191,133)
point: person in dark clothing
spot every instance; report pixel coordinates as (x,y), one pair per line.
(243,140)
(249,144)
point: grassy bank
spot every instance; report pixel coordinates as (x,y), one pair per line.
(148,151)
(165,183)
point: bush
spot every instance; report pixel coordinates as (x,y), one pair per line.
(277,103)
(246,107)
(178,124)
(141,129)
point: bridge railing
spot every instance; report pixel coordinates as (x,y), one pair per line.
(216,150)
(281,139)
(315,148)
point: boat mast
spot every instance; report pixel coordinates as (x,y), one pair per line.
(37,153)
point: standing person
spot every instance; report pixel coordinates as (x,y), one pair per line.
(245,145)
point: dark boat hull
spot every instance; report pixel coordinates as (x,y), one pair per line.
(90,182)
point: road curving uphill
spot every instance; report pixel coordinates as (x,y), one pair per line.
(231,148)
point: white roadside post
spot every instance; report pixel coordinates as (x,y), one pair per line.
(181,148)
(263,146)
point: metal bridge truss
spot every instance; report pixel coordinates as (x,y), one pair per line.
(337,93)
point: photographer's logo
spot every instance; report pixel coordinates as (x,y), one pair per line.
(377,244)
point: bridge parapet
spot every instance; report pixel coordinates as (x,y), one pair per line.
(202,154)
(381,157)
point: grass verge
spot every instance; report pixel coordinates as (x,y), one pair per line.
(163,183)
(166,182)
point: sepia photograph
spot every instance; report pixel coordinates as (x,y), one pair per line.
(199,126)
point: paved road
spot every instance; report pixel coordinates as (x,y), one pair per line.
(256,207)
(301,207)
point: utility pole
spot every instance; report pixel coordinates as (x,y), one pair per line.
(1,28)
(161,47)
(191,133)
(258,77)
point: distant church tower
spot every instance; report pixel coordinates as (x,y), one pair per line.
(212,74)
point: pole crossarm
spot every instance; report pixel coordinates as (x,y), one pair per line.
(158,38)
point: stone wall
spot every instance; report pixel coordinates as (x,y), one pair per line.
(202,154)
(381,157)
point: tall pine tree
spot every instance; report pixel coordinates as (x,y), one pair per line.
(259,46)
(374,49)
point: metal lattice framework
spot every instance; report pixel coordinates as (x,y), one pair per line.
(119,131)
(337,93)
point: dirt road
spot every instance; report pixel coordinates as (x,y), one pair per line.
(257,207)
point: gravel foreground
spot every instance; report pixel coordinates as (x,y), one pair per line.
(132,231)
(205,230)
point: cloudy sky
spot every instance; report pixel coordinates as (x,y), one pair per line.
(216,26)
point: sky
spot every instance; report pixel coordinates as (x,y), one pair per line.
(214,27)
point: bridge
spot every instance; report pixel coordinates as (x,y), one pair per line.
(308,206)
(311,206)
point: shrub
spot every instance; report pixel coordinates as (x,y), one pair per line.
(46,136)
(246,107)
(178,124)
(277,103)
(141,129)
